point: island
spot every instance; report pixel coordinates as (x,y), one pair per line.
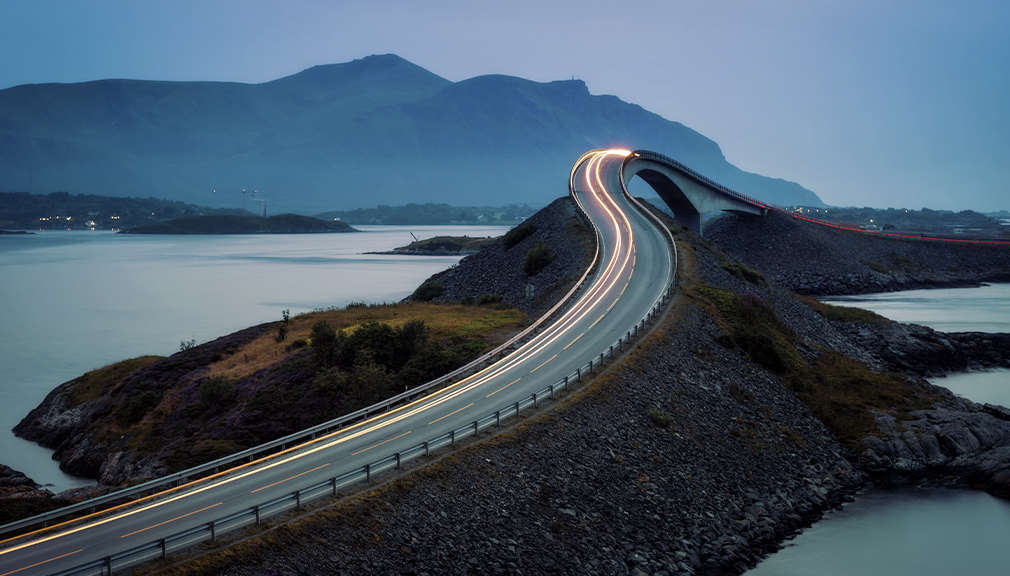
(231,224)
(442,246)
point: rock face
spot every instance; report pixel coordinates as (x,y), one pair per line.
(812,259)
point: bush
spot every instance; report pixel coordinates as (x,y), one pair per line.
(137,406)
(488,299)
(324,344)
(427,291)
(744,273)
(537,258)
(659,418)
(518,234)
(214,391)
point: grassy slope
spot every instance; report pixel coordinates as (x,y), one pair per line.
(263,388)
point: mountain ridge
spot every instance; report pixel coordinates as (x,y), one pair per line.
(378,130)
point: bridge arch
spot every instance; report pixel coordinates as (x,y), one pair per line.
(687,193)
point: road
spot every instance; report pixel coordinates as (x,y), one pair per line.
(634,269)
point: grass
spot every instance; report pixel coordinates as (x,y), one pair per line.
(843,313)
(447,322)
(519,233)
(92,386)
(744,273)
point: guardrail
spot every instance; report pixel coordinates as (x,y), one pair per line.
(249,454)
(295,500)
(700,177)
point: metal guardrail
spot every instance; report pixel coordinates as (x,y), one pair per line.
(249,454)
(295,500)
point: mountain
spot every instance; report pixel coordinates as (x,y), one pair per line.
(379,130)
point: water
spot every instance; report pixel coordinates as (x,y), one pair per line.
(74,301)
(908,530)
(891,531)
(982,309)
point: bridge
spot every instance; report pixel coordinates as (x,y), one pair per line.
(686,192)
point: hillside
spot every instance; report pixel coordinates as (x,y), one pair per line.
(379,130)
(230,224)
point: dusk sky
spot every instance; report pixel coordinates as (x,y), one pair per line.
(884,103)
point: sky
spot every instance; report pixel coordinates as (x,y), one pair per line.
(881,103)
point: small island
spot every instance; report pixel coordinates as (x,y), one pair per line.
(231,224)
(442,246)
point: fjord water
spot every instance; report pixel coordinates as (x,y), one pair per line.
(913,530)
(74,301)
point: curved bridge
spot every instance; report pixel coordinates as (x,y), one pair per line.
(686,192)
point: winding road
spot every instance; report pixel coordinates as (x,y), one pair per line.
(635,267)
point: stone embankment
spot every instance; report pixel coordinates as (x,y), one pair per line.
(821,260)
(497,270)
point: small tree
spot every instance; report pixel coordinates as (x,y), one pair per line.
(282,330)
(324,344)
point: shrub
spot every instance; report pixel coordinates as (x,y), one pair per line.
(537,258)
(299,343)
(137,406)
(744,273)
(214,391)
(282,330)
(324,344)
(187,345)
(427,291)
(488,299)
(518,234)
(659,418)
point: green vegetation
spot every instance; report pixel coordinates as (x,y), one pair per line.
(218,398)
(660,418)
(518,234)
(427,291)
(744,273)
(229,224)
(843,313)
(840,391)
(539,256)
(421,214)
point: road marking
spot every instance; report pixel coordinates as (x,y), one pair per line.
(573,341)
(545,361)
(383,442)
(505,386)
(632,274)
(40,563)
(172,520)
(291,478)
(615,302)
(450,414)
(625,288)
(597,320)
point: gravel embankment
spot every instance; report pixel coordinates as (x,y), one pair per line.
(811,259)
(497,270)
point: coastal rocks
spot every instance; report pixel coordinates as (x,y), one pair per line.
(922,351)
(963,446)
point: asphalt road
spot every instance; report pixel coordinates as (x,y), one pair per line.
(634,269)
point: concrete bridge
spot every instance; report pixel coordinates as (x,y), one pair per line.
(686,192)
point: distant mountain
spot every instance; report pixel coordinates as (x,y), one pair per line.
(379,130)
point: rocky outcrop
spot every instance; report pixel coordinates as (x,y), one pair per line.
(961,445)
(812,259)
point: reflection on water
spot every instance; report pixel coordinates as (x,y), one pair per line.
(74,301)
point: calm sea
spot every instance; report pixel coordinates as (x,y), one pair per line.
(74,301)
(910,530)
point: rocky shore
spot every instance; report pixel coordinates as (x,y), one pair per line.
(688,457)
(826,261)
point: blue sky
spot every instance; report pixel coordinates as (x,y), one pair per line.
(880,103)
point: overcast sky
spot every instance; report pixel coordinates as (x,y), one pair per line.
(880,103)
